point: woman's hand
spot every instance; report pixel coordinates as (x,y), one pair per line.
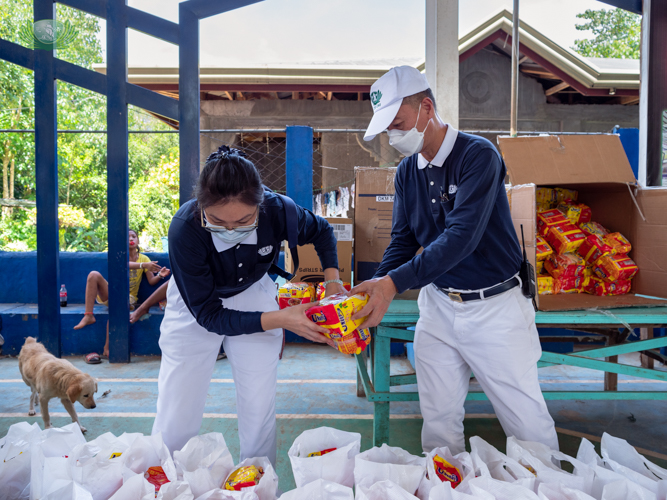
(295,320)
(153,267)
(333,289)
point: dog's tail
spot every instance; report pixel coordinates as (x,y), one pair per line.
(30,340)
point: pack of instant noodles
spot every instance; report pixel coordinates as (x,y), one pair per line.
(615,267)
(568,265)
(543,250)
(335,314)
(570,285)
(446,471)
(565,238)
(293,294)
(548,218)
(545,196)
(576,213)
(593,228)
(321,290)
(244,477)
(320,453)
(545,284)
(597,286)
(157,477)
(563,194)
(593,248)
(619,243)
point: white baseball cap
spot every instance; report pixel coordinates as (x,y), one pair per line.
(387,95)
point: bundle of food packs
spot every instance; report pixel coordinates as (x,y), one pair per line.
(574,253)
(335,314)
(293,294)
(244,477)
(321,290)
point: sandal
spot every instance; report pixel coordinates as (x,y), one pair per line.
(92,359)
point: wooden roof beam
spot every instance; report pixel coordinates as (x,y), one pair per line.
(557,88)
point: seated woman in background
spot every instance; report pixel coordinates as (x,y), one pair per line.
(97,288)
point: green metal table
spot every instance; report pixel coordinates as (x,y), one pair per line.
(613,326)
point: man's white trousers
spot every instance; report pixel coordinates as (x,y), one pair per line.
(189,353)
(497,340)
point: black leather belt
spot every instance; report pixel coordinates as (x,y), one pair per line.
(498,289)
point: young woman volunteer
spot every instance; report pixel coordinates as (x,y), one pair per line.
(221,247)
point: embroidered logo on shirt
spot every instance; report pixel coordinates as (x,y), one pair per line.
(265,250)
(453,188)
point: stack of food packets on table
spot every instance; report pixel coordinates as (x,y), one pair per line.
(333,313)
(574,253)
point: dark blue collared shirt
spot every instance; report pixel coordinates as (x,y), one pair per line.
(206,270)
(459,213)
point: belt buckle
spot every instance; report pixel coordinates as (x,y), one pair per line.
(456,297)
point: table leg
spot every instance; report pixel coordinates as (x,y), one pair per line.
(381,367)
(360,386)
(646,334)
(611,379)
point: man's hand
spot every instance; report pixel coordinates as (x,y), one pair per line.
(381,291)
(295,320)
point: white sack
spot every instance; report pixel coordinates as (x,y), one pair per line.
(266,489)
(462,461)
(69,490)
(15,461)
(177,490)
(204,462)
(146,452)
(625,490)
(134,488)
(389,463)
(559,492)
(336,466)
(621,452)
(383,490)
(49,452)
(444,491)
(500,466)
(320,489)
(502,490)
(539,458)
(587,454)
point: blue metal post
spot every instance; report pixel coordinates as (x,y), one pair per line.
(188,96)
(46,173)
(117,182)
(299,165)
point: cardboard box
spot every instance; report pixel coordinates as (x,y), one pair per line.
(597,167)
(310,269)
(373,207)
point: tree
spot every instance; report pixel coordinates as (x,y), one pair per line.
(617,34)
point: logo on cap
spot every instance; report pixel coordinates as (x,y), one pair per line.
(375,98)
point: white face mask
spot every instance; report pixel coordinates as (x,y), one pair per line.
(408,142)
(232,237)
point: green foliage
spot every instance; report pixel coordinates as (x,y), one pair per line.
(617,34)
(82,171)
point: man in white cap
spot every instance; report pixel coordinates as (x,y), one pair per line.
(450,199)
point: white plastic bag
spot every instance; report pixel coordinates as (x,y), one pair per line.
(500,466)
(134,488)
(625,490)
(97,465)
(177,490)
(559,492)
(336,466)
(15,461)
(444,491)
(62,489)
(49,452)
(502,490)
(389,463)
(320,489)
(538,457)
(623,453)
(587,454)
(204,462)
(462,461)
(266,489)
(383,490)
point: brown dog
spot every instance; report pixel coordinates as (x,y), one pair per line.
(50,377)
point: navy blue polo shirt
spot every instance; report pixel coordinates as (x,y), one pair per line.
(459,213)
(204,274)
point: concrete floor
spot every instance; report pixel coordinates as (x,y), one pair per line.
(317,387)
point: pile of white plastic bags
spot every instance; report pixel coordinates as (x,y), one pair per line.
(327,464)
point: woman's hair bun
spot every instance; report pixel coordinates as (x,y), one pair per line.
(224,152)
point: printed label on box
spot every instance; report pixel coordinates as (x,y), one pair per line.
(342,232)
(387,198)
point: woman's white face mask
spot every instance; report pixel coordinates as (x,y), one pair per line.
(408,142)
(230,236)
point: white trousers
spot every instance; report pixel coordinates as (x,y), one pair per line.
(189,352)
(497,339)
